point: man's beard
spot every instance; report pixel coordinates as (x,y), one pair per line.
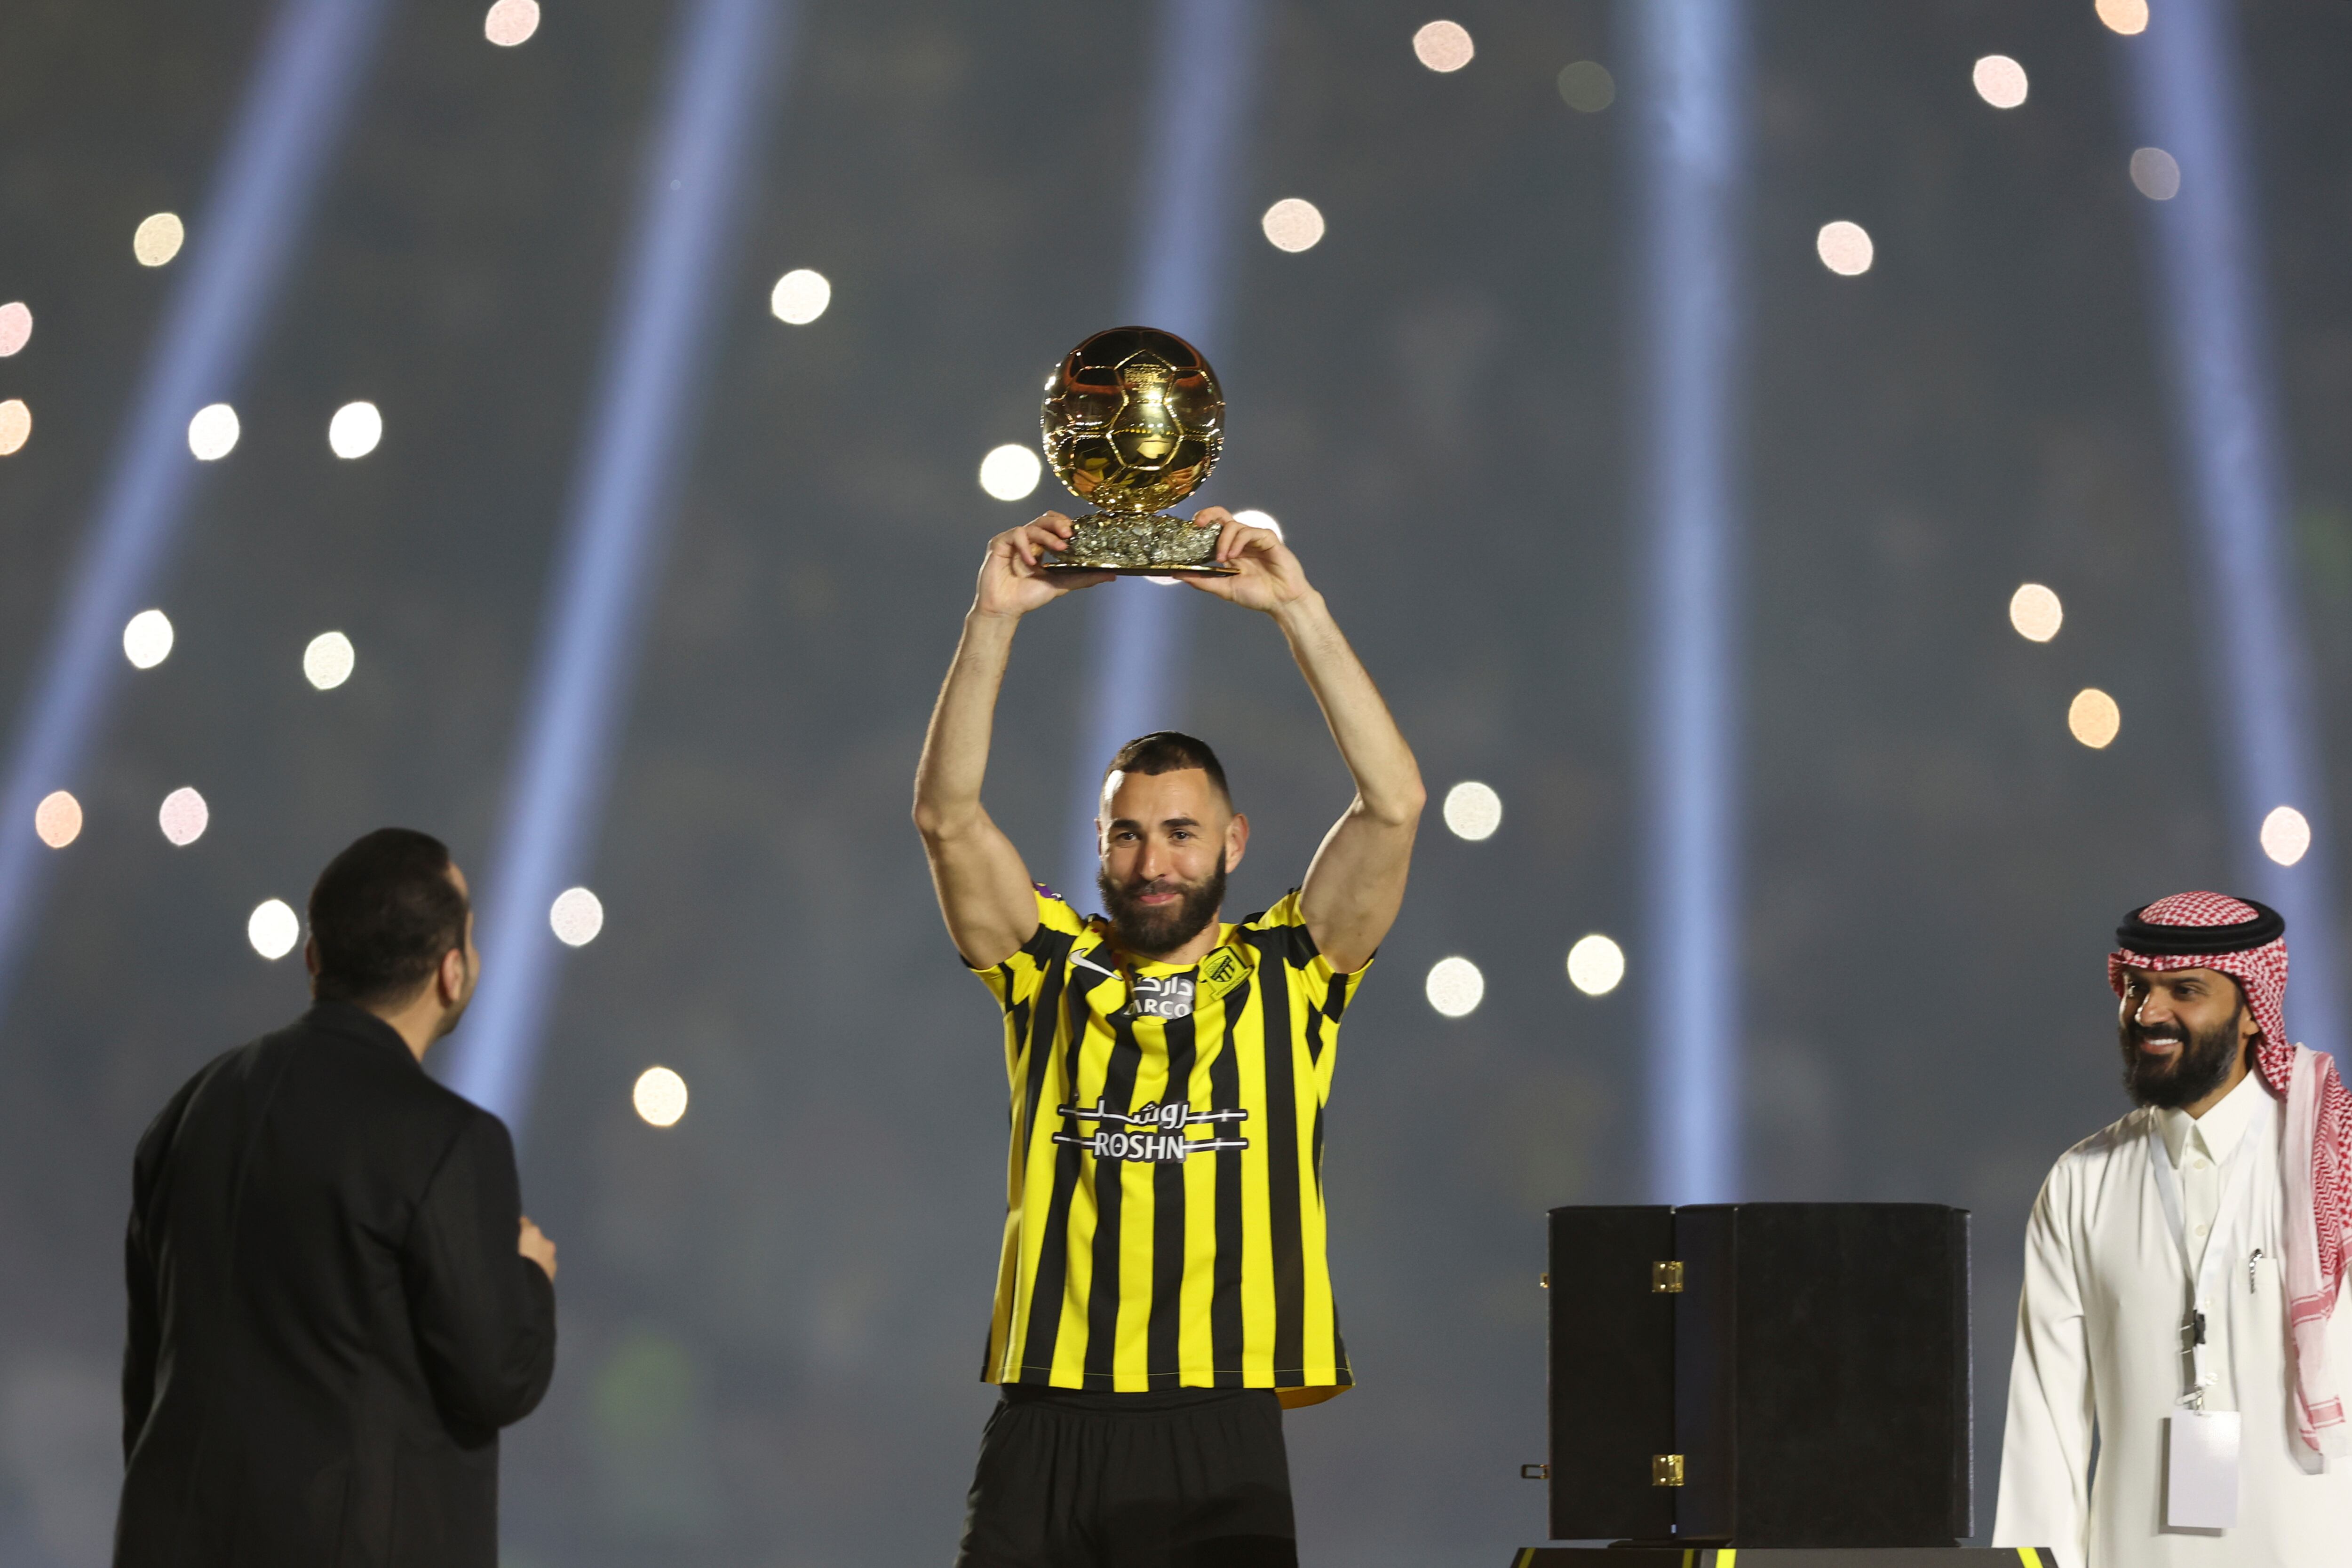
(2171,1083)
(1165,928)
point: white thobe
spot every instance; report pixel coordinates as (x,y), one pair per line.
(2099,1350)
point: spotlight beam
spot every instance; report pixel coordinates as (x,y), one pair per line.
(301,97)
(1138,632)
(1689,148)
(2184,74)
(688,202)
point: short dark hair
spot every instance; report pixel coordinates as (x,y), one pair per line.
(383,912)
(1169,751)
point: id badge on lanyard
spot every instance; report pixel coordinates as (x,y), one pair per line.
(2200,1448)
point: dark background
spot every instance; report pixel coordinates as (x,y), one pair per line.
(772,1313)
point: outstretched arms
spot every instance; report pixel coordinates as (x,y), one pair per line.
(983,887)
(1356,884)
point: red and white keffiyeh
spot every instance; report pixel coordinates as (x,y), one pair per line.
(2247,942)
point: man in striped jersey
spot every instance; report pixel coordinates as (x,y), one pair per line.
(1163,1292)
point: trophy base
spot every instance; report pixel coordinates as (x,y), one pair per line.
(1128,544)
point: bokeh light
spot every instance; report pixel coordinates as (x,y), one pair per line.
(1010,472)
(2036,613)
(1999,81)
(1844,249)
(273,928)
(2094,718)
(2286,835)
(1293,224)
(16,327)
(1455,987)
(1473,811)
(157,239)
(1595,965)
(1250,517)
(212,433)
(147,639)
(800,296)
(576,916)
(1443,45)
(1586,87)
(2125,16)
(355,430)
(56,821)
(184,817)
(328,660)
(2156,174)
(659,1096)
(510,22)
(15,427)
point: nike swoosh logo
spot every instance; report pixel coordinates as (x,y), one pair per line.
(1090,964)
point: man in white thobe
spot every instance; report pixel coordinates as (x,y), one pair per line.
(2245,1141)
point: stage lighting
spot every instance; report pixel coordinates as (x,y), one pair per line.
(1293,224)
(147,639)
(2156,174)
(158,239)
(2094,718)
(1473,811)
(1250,517)
(1595,965)
(56,821)
(328,660)
(659,1096)
(2035,612)
(1010,472)
(1586,87)
(2125,16)
(1443,45)
(15,427)
(355,430)
(576,917)
(2285,835)
(510,22)
(16,327)
(184,817)
(800,296)
(1455,987)
(1846,248)
(273,928)
(1999,81)
(212,433)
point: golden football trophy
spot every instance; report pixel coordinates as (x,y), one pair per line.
(1133,422)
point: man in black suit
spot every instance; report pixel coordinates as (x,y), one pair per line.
(336,1299)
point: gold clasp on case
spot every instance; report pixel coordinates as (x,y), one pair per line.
(1666,1470)
(1666,1280)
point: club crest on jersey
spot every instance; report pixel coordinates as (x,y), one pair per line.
(1161,1139)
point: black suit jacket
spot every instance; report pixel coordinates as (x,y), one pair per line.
(329,1319)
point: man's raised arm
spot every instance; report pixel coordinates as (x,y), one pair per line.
(983,886)
(1356,884)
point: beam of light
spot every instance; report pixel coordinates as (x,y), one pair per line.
(1184,237)
(1692,60)
(2185,87)
(302,92)
(689,205)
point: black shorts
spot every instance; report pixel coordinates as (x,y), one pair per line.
(1195,1478)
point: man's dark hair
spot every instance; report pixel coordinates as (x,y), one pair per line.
(382,914)
(1166,751)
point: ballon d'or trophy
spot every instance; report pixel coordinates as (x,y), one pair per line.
(1133,422)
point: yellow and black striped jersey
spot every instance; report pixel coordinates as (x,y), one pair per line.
(1164,1194)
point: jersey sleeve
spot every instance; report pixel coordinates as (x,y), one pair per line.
(1284,930)
(1017,979)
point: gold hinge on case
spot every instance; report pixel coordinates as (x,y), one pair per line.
(1666,1278)
(1665,1470)
(1543,1281)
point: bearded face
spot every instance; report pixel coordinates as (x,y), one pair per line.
(2169,1079)
(1145,919)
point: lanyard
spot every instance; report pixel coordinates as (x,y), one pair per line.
(2204,1276)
